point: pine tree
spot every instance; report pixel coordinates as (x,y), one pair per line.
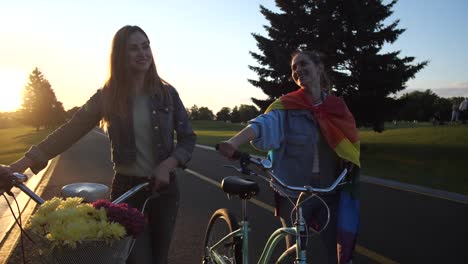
(40,106)
(224,114)
(235,115)
(351,33)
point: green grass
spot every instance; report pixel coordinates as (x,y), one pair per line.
(15,141)
(413,153)
(430,156)
(210,133)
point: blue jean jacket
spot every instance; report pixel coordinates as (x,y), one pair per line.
(293,139)
(168,115)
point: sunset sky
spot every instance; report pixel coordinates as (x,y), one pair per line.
(201,47)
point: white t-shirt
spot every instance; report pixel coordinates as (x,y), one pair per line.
(463,105)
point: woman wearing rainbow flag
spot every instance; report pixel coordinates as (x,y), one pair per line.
(308,134)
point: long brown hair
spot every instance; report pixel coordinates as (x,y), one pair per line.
(117,90)
(317,58)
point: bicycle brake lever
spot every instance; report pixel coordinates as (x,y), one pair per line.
(233,167)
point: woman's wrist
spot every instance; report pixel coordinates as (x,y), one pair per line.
(245,135)
(21,165)
(170,163)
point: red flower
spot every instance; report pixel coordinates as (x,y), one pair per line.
(129,217)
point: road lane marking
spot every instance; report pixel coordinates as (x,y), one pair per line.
(359,249)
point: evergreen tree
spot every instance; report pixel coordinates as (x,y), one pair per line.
(204,113)
(194,112)
(247,112)
(235,115)
(224,114)
(351,34)
(40,106)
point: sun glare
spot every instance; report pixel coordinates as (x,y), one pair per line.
(11,85)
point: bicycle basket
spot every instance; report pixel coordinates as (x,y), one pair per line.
(92,252)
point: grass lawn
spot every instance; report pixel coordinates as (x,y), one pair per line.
(419,154)
(15,141)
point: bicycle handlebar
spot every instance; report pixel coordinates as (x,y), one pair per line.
(18,180)
(265,165)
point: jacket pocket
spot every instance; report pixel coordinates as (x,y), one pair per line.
(295,146)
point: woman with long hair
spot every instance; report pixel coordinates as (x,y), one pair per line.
(140,112)
(308,134)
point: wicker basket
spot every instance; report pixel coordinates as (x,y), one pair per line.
(94,252)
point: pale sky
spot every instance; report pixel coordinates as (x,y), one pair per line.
(201,47)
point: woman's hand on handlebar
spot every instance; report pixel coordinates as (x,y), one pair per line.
(162,173)
(21,165)
(6,178)
(227,149)
(161,177)
(347,164)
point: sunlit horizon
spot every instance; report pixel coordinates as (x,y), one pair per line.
(12,83)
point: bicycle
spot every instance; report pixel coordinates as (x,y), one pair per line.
(231,244)
(119,250)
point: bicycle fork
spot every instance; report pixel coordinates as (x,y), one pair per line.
(299,231)
(301,243)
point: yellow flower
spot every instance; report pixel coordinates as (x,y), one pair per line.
(68,222)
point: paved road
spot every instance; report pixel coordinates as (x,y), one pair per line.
(397,226)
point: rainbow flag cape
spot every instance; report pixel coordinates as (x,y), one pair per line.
(336,122)
(338,127)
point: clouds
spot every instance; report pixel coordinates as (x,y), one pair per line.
(452,92)
(456,89)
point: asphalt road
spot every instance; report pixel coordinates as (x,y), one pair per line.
(396,226)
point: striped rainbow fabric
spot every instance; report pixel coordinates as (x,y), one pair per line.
(336,122)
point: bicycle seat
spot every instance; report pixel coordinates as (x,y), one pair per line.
(244,188)
(90,192)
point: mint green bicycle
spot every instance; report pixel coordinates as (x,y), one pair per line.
(226,240)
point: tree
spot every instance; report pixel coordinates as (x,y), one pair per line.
(3,121)
(205,114)
(351,33)
(40,106)
(235,115)
(418,105)
(224,114)
(193,112)
(247,112)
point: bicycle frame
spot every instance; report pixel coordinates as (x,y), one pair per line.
(273,240)
(299,228)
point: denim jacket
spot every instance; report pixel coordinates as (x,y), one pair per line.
(168,114)
(292,138)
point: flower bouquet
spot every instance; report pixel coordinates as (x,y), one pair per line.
(77,232)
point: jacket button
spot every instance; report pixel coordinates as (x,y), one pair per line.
(154,112)
(156,128)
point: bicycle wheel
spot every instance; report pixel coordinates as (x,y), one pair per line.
(222,222)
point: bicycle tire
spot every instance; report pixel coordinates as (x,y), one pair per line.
(221,223)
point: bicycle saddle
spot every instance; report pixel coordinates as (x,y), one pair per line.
(244,188)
